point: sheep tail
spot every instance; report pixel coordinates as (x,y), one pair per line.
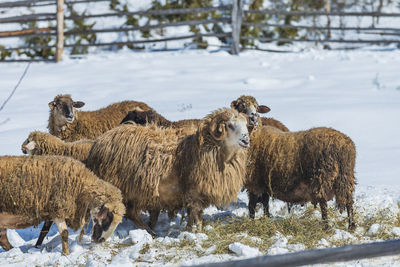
(345,181)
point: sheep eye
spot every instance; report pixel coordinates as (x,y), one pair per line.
(230,126)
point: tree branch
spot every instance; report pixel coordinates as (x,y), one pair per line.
(15,88)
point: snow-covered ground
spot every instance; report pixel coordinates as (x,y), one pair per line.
(356,92)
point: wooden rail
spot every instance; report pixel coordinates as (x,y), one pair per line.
(318,256)
(25,32)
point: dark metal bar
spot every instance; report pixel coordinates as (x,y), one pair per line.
(319,27)
(24,3)
(28,47)
(26,60)
(153,40)
(321,13)
(149,27)
(154,12)
(31,17)
(328,255)
(320,40)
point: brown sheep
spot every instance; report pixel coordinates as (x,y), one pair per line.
(39,143)
(274,123)
(69,124)
(299,167)
(249,106)
(155,170)
(59,189)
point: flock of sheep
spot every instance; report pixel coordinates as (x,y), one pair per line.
(126,159)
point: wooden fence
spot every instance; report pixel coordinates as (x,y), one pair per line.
(233,15)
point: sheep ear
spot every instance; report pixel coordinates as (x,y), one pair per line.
(78,104)
(234,104)
(263,109)
(52,105)
(102,212)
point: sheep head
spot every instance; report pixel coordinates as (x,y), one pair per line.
(30,145)
(229,126)
(105,219)
(64,108)
(248,105)
(142,117)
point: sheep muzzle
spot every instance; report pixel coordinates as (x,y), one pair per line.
(101,224)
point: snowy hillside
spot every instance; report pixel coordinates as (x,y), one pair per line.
(355,92)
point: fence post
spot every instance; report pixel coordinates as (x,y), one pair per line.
(328,10)
(60,30)
(237,13)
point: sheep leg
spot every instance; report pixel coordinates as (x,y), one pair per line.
(199,220)
(62,228)
(43,233)
(81,235)
(5,244)
(324,212)
(135,217)
(195,217)
(350,215)
(265,202)
(252,205)
(289,207)
(190,222)
(153,218)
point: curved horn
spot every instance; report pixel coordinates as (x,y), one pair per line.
(217,126)
(52,104)
(238,105)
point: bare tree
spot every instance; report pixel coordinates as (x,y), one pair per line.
(13,91)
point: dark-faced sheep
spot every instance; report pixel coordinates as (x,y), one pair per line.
(39,143)
(69,124)
(244,104)
(155,170)
(58,189)
(299,167)
(153,117)
(249,106)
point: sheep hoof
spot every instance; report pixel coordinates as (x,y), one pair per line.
(326,226)
(152,233)
(352,227)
